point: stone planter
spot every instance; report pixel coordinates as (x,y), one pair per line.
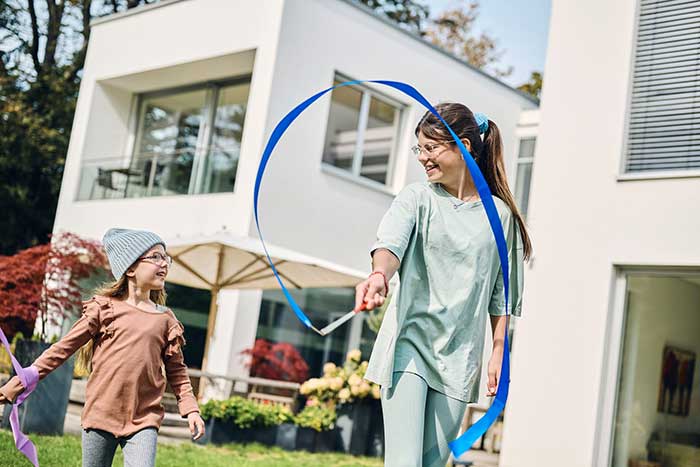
(44,411)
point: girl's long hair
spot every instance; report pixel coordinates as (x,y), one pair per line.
(118,289)
(488,153)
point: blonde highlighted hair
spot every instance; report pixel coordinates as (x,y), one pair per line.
(118,289)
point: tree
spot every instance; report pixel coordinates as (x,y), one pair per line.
(409,14)
(534,86)
(453,32)
(43,281)
(43,44)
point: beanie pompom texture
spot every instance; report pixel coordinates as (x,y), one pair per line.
(125,246)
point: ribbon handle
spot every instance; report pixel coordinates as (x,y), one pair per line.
(29,378)
(464,442)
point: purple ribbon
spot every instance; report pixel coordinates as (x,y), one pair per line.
(29,377)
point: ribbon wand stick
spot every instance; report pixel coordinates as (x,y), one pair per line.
(338,322)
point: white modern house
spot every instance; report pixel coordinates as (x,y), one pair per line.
(176,103)
(605,368)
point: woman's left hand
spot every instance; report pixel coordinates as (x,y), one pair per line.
(494,370)
(196,425)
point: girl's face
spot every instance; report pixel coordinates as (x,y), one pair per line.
(443,162)
(151,269)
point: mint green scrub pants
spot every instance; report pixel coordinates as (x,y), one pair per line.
(418,423)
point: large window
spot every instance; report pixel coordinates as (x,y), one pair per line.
(362,132)
(187,142)
(664,118)
(658,392)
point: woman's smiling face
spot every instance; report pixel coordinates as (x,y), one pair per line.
(442,161)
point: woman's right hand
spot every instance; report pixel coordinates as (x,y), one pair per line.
(371,292)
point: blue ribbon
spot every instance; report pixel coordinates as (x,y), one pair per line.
(464,442)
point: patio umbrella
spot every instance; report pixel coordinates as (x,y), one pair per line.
(227,261)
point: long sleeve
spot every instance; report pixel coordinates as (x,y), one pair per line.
(176,371)
(497,306)
(82,331)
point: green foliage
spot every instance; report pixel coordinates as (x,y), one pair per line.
(318,417)
(245,413)
(534,86)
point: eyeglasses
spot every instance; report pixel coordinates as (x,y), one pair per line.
(428,149)
(159,258)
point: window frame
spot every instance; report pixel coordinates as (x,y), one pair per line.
(623,175)
(212,89)
(354,174)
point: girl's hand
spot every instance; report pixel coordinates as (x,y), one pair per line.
(196,425)
(370,291)
(494,371)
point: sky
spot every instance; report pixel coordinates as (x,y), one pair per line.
(519,26)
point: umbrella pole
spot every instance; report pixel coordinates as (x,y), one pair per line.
(211,322)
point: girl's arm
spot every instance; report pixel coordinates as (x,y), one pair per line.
(176,372)
(82,331)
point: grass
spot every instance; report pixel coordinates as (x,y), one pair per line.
(65,451)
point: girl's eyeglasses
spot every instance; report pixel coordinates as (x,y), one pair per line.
(159,258)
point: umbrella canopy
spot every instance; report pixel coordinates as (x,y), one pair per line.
(228,261)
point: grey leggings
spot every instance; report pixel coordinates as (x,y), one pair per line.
(139,448)
(418,423)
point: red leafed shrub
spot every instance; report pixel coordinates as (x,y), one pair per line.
(42,281)
(279,361)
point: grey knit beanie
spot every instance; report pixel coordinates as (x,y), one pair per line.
(125,246)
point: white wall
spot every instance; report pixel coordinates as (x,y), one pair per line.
(583,222)
(319,213)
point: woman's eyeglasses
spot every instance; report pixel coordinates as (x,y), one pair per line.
(428,149)
(159,258)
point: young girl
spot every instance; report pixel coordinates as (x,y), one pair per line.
(131,343)
(427,356)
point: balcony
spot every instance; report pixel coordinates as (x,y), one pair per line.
(185,171)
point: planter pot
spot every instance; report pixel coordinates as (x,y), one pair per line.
(44,411)
(306,439)
(357,427)
(375,442)
(286,436)
(326,441)
(217,431)
(243,435)
(311,440)
(265,435)
(225,432)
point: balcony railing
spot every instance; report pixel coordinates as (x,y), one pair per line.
(176,172)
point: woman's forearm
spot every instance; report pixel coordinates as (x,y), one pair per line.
(385,262)
(498,327)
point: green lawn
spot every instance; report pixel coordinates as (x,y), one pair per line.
(64,451)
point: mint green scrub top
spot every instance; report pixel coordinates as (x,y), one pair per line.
(450,280)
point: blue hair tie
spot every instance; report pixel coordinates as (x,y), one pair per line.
(482,121)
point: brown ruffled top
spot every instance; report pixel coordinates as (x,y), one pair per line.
(135,352)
